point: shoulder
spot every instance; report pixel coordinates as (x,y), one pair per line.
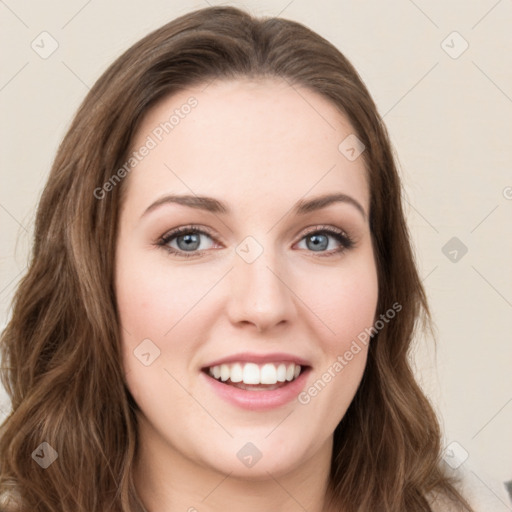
(483,492)
(10,501)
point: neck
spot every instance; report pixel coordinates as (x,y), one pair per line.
(165,480)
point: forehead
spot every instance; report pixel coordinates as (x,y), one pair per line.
(250,139)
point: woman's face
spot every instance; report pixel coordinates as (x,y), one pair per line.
(265,286)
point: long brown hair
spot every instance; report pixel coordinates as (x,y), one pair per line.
(61,349)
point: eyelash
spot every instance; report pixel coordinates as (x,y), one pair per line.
(342,237)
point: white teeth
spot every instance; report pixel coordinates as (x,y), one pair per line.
(281,373)
(224,372)
(251,373)
(269,374)
(237,373)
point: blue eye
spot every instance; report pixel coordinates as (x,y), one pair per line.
(188,239)
(319,241)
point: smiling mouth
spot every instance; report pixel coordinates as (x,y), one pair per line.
(256,377)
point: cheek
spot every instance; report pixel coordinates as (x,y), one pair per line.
(346,306)
(154,324)
(159,307)
(345,303)
(153,298)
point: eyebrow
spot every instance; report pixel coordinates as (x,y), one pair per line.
(213,205)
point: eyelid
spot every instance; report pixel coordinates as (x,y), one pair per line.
(187,229)
(323,227)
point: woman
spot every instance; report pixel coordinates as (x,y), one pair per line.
(268,369)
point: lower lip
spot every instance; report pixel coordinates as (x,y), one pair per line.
(259,400)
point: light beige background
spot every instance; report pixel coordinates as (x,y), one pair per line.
(450,121)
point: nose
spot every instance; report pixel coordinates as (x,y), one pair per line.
(260,292)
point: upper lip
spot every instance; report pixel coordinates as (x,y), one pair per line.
(249,357)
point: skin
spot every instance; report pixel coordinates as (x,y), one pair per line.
(259,146)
